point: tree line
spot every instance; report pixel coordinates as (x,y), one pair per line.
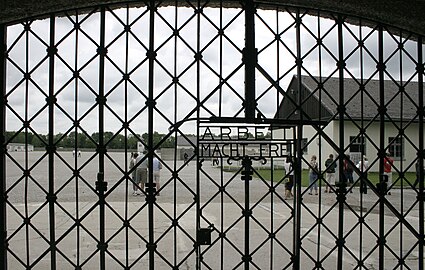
(81,140)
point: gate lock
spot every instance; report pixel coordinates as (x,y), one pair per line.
(204,235)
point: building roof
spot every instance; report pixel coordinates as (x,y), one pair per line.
(361,100)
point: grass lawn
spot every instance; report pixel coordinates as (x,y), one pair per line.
(278,174)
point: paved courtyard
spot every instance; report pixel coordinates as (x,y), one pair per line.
(126,219)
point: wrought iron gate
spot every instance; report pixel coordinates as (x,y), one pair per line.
(88,87)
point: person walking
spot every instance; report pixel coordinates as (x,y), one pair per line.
(330,173)
(348,171)
(388,166)
(156,167)
(290,178)
(314,169)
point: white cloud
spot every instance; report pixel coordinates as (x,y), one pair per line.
(176,56)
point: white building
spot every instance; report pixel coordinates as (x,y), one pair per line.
(19,147)
(359,127)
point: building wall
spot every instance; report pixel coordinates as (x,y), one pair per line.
(19,147)
(411,139)
(350,129)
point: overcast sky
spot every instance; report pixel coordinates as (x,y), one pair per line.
(73,55)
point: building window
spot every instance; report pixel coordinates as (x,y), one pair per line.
(357,144)
(395,147)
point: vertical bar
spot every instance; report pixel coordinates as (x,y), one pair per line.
(220,96)
(127,229)
(176,157)
(3,220)
(381,152)
(361,214)
(273,185)
(250,60)
(421,153)
(198,163)
(51,150)
(151,104)
(246,177)
(222,182)
(76,106)
(400,52)
(320,93)
(341,189)
(26,125)
(101,185)
(299,153)
(297,202)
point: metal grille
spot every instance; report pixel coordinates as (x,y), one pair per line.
(114,77)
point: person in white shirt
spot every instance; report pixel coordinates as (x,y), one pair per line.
(363,165)
(156,167)
(133,174)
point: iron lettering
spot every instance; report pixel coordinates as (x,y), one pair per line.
(240,141)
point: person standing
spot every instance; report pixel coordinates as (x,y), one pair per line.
(314,170)
(330,173)
(290,176)
(363,165)
(388,166)
(348,171)
(133,173)
(141,171)
(418,173)
(156,167)
(186,159)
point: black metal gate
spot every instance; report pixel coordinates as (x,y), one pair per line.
(219,98)
(245,221)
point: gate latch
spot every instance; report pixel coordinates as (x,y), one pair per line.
(204,235)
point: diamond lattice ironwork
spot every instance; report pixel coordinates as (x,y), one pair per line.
(86,89)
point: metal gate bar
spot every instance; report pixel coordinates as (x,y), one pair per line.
(151,54)
(50,149)
(421,156)
(299,151)
(340,191)
(101,100)
(3,198)
(381,66)
(250,60)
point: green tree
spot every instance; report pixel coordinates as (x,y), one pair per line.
(157,138)
(132,141)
